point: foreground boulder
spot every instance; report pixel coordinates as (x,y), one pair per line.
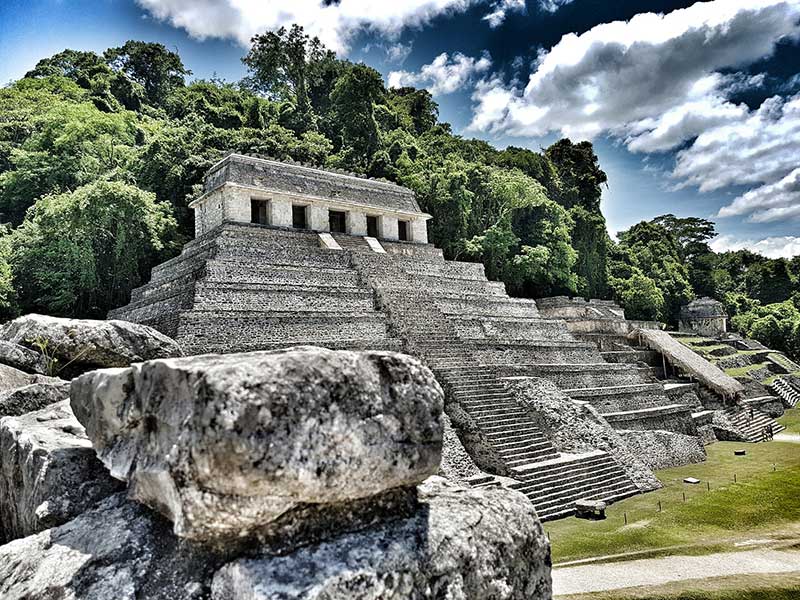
(22,358)
(117,551)
(48,472)
(226,445)
(77,343)
(35,396)
(460,543)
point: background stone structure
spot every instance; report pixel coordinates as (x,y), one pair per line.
(236,181)
(705,316)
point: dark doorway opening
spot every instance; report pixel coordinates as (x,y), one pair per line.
(337,221)
(402,231)
(372,226)
(258,212)
(299,217)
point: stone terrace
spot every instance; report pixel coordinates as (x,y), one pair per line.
(241,287)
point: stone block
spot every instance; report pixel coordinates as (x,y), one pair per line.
(356,223)
(419,231)
(82,342)
(49,472)
(223,445)
(466,544)
(119,550)
(280,213)
(22,358)
(387,227)
(35,396)
(318,219)
(11,378)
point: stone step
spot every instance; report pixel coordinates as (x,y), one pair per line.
(575,491)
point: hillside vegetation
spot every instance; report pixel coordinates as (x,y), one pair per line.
(100,156)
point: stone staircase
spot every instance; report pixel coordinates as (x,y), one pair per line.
(784,390)
(752,428)
(431,321)
(245,287)
(558,483)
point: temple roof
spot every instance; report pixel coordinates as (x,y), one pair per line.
(703,308)
(302,180)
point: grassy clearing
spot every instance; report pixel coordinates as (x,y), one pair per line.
(791,420)
(743,587)
(744,371)
(762,502)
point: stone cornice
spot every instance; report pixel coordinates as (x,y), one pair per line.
(259,191)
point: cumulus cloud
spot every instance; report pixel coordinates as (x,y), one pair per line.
(656,82)
(334,23)
(445,74)
(501,8)
(771,247)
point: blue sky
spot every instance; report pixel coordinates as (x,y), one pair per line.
(694,109)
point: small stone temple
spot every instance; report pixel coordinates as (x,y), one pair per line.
(705,316)
(266,192)
(289,255)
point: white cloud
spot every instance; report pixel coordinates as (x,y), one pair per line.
(501,8)
(444,75)
(334,24)
(398,53)
(656,83)
(771,247)
(553,5)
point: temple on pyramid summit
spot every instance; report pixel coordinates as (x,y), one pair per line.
(289,255)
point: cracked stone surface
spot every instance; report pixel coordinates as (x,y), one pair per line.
(22,358)
(81,343)
(461,544)
(34,396)
(48,471)
(226,444)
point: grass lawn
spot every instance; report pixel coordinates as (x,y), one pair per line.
(762,502)
(791,420)
(743,587)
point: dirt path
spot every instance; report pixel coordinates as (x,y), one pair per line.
(658,571)
(788,437)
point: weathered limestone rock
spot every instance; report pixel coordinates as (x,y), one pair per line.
(664,449)
(11,378)
(465,544)
(223,445)
(468,544)
(81,342)
(118,551)
(48,472)
(35,396)
(577,428)
(457,465)
(22,358)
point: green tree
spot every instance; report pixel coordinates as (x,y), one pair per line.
(81,253)
(652,249)
(158,70)
(8,300)
(580,174)
(291,65)
(353,101)
(769,281)
(67,145)
(640,296)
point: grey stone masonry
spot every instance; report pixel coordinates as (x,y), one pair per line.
(244,287)
(252,189)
